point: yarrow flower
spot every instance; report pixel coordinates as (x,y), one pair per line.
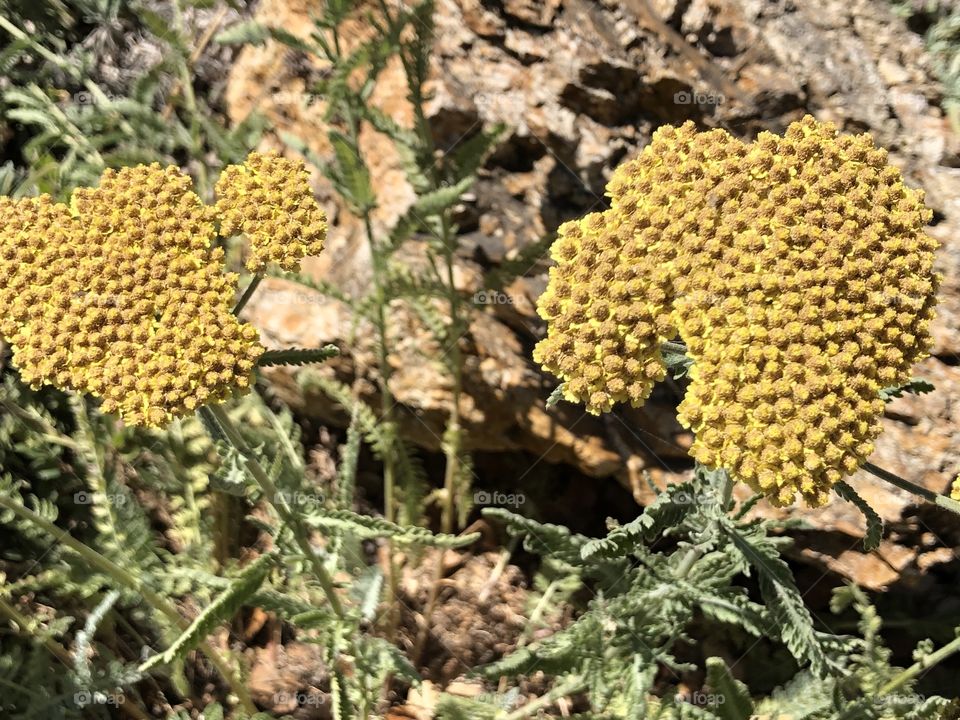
(795,269)
(269,199)
(121,295)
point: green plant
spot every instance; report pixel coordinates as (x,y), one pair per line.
(126,558)
(129,554)
(71,127)
(646,598)
(439,179)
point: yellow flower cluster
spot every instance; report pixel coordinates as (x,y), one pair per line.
(268,198)
(121,296)
(795,269)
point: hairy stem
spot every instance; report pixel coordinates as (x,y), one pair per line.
(247,294)
(452,450)
(279,503)
(943,501)
(920,666)
(387,403)
(190,101)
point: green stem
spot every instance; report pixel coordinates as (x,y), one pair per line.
(943,501)
(383,360)
(386,415)
(379,264)
(448,243)
(190,101)
(132,583)
(920,666)
(686,565)
(452,468)
(247,294)
(726,491)
(300,532)
(537,613)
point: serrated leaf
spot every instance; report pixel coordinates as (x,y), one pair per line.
(222,609)
(435,202)
(871,541)
(668,510)
(248,32)
(556,396)
(366,526)
(231,475)
(297,356)
(916,386)
(783,600)
(545,539)
(350,173)
(470,154)
(367,590)
(733,609)
(287,38)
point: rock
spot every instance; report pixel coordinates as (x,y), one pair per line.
(539,13)
(478,617)
(290,679)
(480,20)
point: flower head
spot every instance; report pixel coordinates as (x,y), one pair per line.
(269,199)
(795,269)
(121,295)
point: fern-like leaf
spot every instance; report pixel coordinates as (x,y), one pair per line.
(297,356)
(783,600)
(365,526)
(224,607)
(871,540)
